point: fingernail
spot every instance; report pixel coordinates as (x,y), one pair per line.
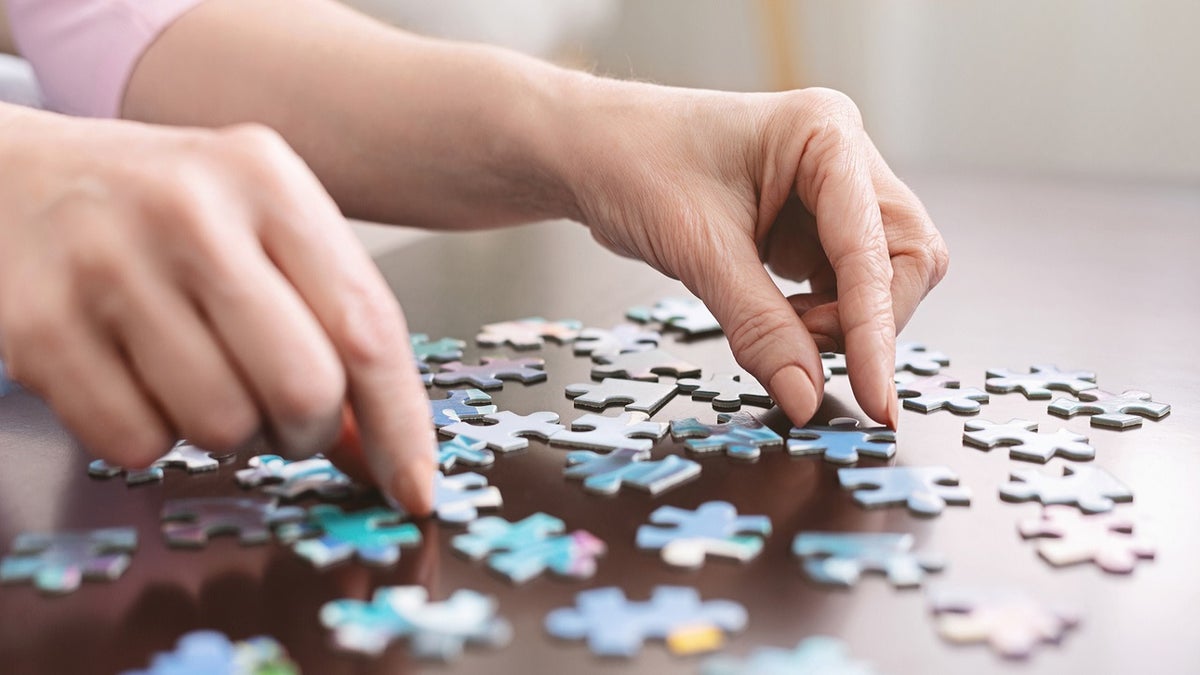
(795,392)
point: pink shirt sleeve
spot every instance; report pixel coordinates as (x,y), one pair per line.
(84,51)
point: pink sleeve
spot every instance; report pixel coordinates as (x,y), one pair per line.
(84,51)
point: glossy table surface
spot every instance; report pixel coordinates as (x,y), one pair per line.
(1085,276)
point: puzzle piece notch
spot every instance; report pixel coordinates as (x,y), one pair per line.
(636,395)
(605,474)
(938,392)
(491,372)
(1070,538)
(1090,488)
(508,431)
(331,535)
(817,655)
(687,314)
(841,441)
(599,432)
(740,435)
(436,630)
(294,479)
(1024,442)
(458,498)
(685,538)
(615,626)
(528,333)
(620,339)
(460,405)
(832,364)
(925,490)
(441,350)
(463,449)
(1112,411)
(840,558)
(58,562)
(182,455)
(524,549)
(1012,622)
(727,391)
(192,521)
(1037,383)
(645,366)
(207,651)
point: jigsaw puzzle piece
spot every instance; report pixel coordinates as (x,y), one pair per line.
(523,550)
(598,432)
(1037,383)
(190,522)
(615,626)
(458,498)
(7,384)
(491,372)
(182,455)
(925,490)
(463,449)
(840,558)
(621,339)
(832,364)
(605,474)
(425,373)
(816,655)
(1090,488)
(841,441)
(460,405)
(436,630)
(1112,411)
(444,349)
(508,431)
(646,366)
(1024,442)
(938,392)
(529,333)
(687,314)
(292,480)
(1070,538)
(727,391)
(916,358)
(331,535)
(207,652)
(636,395)
(685,537)
(740,435)
(1012,622)
(58,562)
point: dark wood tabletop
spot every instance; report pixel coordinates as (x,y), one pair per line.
(1085,276)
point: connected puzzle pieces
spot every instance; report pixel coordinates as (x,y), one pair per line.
(529,333)
(599,432)
(491,372)
(1037,383)
(1012,622)
(1112,411)
(462,449)
(615,626)
(374,535)
(522,550)
(207,652)
(183,455)
(740,435)
(620,339)
(727,391)
(840,558)
(938,392)
(294,479)
(841,441)
(605,474)
(685,537)
(645,397)
(818,655)
(190,522)
(1069,538)
(1091,488)
(916,358)
(508,431)
(1024,442)
(925,490)
(436,630)
(687,314)
(645,365)
(461,405)
(58,562)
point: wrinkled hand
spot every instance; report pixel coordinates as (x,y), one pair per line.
(708,186)
(157,283)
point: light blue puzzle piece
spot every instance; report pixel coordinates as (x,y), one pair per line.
(740,435)
(606,474)
(525,549)
(816,655)
(713,528)
(425,373)
(925,489)
(465,450)
(840,558)
(57,562)
(294,479)
(687,314)
(374,535)
(915,357)
(182,455)
(7,385)
(444,349)
(841,441)
(458,498)
(460,405)
(206,652)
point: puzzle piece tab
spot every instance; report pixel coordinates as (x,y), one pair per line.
(840,558)
(508,431)
(926,490)
(204,652)
(816,655)
(529,333)
(183,455)
(445,349)
(460,405)
(685,537)
(1112,411)
(645,366)
(1012,622)
(190,522)
(374,535)
(292,480)
(727,391)
(687,314)
(606,474)
(1024,442)
(740,435)
(645,397)
(491,372)
(1091,488)
(598,432)
(463,449)
(436,630)
(523,550)
(621,339)
(1070,538)
(58,562)
(841,441)
(1037,383)
(927,394)
(615,626)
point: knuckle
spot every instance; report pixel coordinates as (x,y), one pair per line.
(834,106)
(758,333)
(939,259)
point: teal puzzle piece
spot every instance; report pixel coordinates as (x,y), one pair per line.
(374,535)
(740,435)
(524,549)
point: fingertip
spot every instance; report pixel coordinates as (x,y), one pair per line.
(411,487)
(893,409)
(796,393)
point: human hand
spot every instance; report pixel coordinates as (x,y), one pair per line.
(707,187)
(158,282)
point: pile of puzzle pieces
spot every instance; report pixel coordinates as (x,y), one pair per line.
(631,369)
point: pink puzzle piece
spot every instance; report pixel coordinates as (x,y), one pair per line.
(1070,538)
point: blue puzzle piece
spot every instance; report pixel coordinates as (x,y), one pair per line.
(459,406)
(374,535)
(7,385)
(925,490)
(841,441)
(525,549)
(840,558)
(465,450)
(294,479)
(816,655)
(740,435)
(606,474)
(57,562)
(206,652)
(715,527)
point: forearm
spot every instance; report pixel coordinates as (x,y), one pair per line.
(399,128)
